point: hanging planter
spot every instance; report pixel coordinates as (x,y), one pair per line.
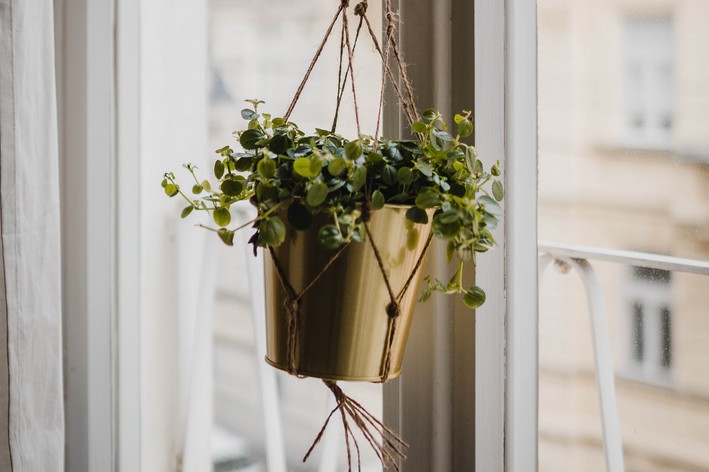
(347,224)
(341,333)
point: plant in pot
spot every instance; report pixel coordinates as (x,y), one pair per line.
(347,224)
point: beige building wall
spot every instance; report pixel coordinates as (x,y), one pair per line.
(599,188)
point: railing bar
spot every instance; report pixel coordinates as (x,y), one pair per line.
(651,261)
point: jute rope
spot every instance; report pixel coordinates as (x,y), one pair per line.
(389,450)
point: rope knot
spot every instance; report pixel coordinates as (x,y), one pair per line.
(393,310)
(292,305)
(345,3)
(361,8)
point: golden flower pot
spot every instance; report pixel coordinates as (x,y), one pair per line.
(342,323)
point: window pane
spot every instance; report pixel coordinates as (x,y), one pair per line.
(624,164)
(262,50)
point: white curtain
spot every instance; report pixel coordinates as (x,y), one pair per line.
(31,399)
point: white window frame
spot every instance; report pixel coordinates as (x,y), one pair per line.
(432,405)
(488,386)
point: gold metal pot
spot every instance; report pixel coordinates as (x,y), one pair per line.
(342,321)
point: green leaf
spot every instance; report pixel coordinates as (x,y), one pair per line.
(249,139)
(465,128)
(249,114)
(389,175)
(497,191)
(272,231)
(163,183)
(299,216)
(243,164)
(427,199)
(458,118)
(226,236)
(197,189)
(171,190)
(404,176)
(419,127)
(301,166)
(186,211)
(336,166)
(307,167)
(232,187)
(474,297)
(417,215)
(221,216)
(266,167)
(430,114)
(317,194)
(377,200)
(359,176)
(353,150)
(206,185)
(279,144)
(470,155)
(330,237)
(491,206)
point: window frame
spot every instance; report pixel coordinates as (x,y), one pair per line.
(104,401)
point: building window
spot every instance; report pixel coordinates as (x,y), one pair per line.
(648,82)
(649,305)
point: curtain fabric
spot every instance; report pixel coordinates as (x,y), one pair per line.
(31,398)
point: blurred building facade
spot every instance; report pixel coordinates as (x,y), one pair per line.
(624,164)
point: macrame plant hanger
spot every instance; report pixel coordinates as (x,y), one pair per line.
(386,444)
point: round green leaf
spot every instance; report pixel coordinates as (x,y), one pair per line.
(465,128)
(389,175)
(299,216)
(330,237)
(186,211)
(427,199)
(302,166)
(171,190)
(266,167)
(377,200)
(336,166)
(232,187)
(272,231)
(429,114)
(249,114)
(497,191)
(419,127)
(249,139)
(221,216)
(417,215)
(404,176)
(317,194)
(218,169)
(197,189)
(353,150)
(474,297)
(359,176)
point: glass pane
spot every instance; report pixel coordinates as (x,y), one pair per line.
(262,50)
(624,164)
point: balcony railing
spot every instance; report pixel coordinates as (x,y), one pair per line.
(570,257)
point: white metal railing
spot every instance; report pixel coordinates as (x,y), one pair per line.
(568,257)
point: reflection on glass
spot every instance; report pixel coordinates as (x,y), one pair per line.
(624,164)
